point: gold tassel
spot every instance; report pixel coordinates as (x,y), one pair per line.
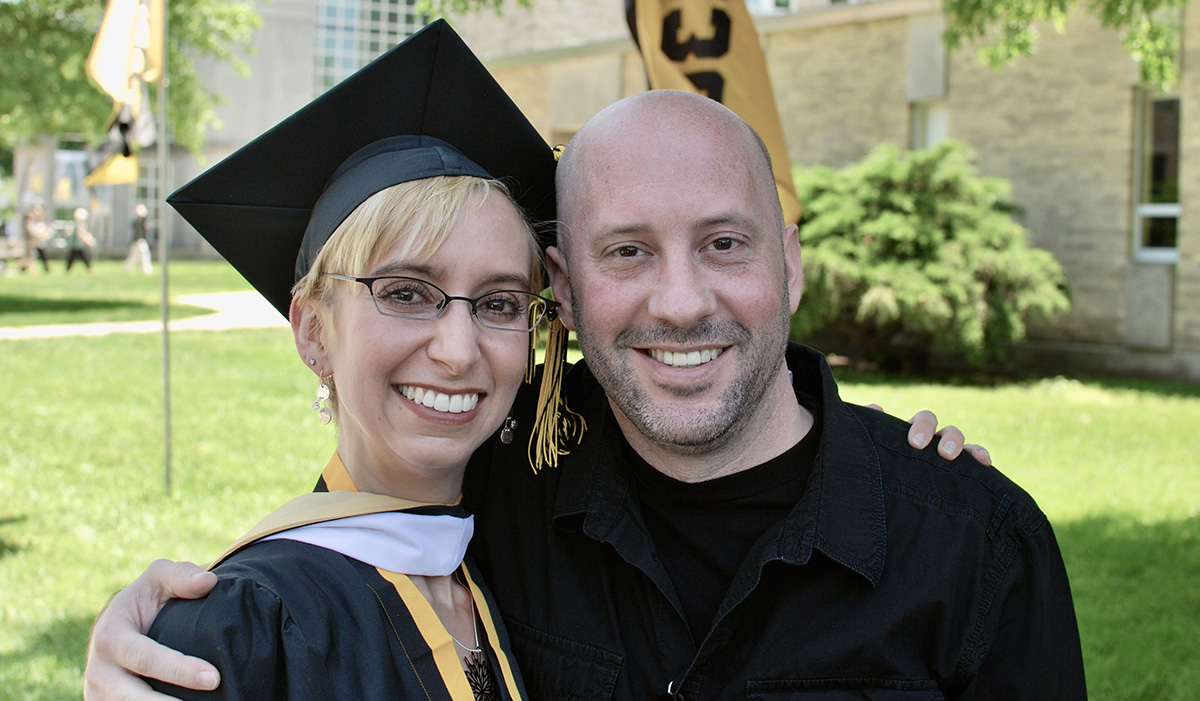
(555,423)
(531,360)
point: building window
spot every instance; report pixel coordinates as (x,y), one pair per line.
(1156,212)
(930,123)
(147,192)
(770,7)
(350,33)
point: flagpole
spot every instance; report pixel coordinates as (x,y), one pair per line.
(164,247)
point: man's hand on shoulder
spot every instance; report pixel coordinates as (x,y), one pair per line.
(119,653)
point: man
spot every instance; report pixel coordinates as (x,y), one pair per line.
(727,528)
(752,536)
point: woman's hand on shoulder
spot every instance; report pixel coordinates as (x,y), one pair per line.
(951,441)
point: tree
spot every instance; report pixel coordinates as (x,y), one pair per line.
(445,8)
(1149,29)
(44,45)
(904,252)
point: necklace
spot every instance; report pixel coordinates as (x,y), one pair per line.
(475,625)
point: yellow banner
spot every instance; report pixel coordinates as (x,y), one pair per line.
(711,47)
(115,169)
(128,49)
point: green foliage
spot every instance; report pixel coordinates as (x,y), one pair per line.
(904,251)
(58,297)
(447,8)
(1112,463)
(1149,29)
(451,7)
(44,46)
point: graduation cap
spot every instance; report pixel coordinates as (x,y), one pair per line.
(427,107)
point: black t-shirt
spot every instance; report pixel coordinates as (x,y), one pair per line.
(703,530)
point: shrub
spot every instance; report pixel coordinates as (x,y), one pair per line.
(904,252)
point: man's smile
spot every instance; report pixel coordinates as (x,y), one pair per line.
(682,359)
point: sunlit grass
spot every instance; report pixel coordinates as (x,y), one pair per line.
(108,294)
(1114,464)
(83,511)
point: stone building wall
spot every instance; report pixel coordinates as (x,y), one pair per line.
(1060,126)
(1187,271)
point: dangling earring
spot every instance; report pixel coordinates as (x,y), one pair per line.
(323,393)
(506,432)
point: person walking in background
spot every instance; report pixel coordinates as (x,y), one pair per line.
(80,241)
(139,248)
(37,234)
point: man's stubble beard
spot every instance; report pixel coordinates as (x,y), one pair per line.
(691,431)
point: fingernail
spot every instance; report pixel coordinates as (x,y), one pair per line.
(920,439)
(206,680)
(948,447)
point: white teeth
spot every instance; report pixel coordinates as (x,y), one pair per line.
(685,359)
(439,401)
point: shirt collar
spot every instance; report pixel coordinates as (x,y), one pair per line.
(844,502)
(841,513)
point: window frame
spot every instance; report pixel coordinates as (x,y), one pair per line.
(1144,211)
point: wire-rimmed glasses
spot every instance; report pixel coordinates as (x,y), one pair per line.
(413,298)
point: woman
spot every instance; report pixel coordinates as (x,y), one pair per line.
(415,306)
(413,398)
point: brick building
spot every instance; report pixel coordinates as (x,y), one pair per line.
(1094,158)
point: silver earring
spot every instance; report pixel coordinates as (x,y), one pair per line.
(312,361)
(507,430)
(323,393)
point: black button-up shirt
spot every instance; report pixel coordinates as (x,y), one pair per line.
(898,575)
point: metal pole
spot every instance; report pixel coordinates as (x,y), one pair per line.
(164,247)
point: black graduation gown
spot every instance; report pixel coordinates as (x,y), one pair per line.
(288,620)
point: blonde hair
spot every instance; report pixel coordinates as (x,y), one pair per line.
(418,216)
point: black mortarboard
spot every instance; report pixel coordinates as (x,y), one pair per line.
(427,107)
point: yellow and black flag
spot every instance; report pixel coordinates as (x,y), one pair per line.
(710,47)
(128,49)
(126,54)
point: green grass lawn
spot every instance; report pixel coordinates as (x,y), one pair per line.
(1112,462)
(108,294)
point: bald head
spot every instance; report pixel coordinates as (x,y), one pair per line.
(663,127)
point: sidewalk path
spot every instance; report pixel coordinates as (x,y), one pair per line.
(234,310)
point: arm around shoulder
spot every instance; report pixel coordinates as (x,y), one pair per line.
(245,630)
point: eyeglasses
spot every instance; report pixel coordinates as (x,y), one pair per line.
(411,298)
